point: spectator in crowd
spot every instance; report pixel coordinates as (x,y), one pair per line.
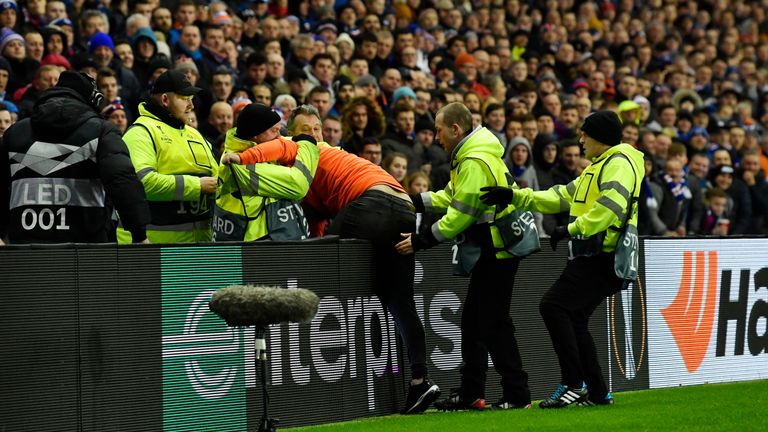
(396,164)
(102,49)
(220,120)
(256,70)
(6,119)
(144,51)
(418,183)
(45,78)
(344,90)
(34,45)
(320,98)
(115,113)
(106,80)
(22,68)
(222,84)
(567,122)
(630,133)
(371,150)
(276,73)
(262,94)
(494,119)
(716,220)
(175,163)
(520,163)
(284,105)
(674,198)
(55,9)
(320,72)
(332,130)
(564,171)
(361,118)
(754,178)
(401,137)
(545,154)
(67,115)
(739,203)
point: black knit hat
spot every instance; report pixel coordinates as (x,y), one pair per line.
(255,119)
(603,126)
(424,124)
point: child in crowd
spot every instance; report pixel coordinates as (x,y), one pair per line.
(396,164)
(417,183)
(716,221)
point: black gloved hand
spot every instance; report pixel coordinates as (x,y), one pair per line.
(424,240)
(558,234)
(418,203)
(305,137)
(496,195)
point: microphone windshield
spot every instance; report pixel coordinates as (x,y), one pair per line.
(260,306)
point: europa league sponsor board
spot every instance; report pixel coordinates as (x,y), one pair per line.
(707,310)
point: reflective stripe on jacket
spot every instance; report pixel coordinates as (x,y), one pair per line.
(169,162)
(475,163)
(263,183)
(597,200)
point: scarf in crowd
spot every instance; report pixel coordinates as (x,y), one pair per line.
(518,171)
(680,191)
(650,200)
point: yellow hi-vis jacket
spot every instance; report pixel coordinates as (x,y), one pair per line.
(263,183)
(475,163)
(597,200)
(169,163)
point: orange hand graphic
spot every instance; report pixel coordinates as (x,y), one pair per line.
(690,324)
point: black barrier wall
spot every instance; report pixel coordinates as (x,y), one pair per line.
(107,338)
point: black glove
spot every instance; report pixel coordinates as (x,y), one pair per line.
(418,203)
(496,195)
(559,233)
(423,240)
(305,137)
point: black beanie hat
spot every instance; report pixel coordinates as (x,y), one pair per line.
(83,85)
(255,119)
(603,126)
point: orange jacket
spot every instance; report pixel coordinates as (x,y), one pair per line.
(341,177)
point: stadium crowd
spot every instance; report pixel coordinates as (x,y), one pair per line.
(688,79)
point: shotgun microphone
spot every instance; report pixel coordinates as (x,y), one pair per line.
(260,306)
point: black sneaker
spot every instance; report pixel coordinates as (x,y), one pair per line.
(505,404)
(564,396)
(456,402)
(607,400)
(420,397)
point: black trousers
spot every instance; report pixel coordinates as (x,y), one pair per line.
(566,308)
(487,328)
(380,218)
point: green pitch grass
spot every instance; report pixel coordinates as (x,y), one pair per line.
(712,407)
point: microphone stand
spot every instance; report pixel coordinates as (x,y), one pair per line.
(266,424)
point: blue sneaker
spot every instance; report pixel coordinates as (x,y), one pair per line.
(564,396)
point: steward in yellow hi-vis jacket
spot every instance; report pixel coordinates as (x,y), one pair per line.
(261,201)
(602,248)
(174,163)
(486,327)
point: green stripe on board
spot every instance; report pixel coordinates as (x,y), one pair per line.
(203,359)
